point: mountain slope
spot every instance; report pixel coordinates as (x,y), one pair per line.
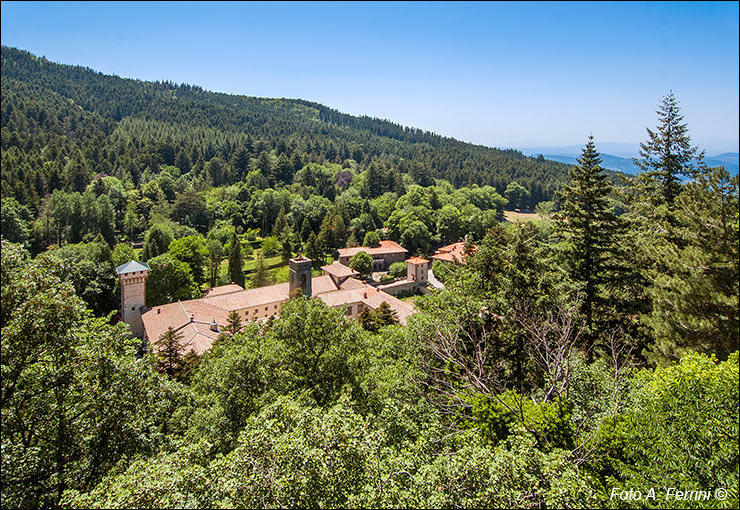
(118,126)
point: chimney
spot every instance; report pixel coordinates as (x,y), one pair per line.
(214,326)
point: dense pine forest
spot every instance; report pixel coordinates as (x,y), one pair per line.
(569,362)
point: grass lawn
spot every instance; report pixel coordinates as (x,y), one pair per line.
(514,216)
(277,269)
(517,217)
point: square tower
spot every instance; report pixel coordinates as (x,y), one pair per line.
(300,276)
(133,277)
(417,270)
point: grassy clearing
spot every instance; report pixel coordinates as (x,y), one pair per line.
(514,216)
(519,217)
(277,268)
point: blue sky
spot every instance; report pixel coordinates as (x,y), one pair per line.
(501,74)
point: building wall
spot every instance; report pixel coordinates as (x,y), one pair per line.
(380,262)
(398,287)
(261,311)
(353,309)
(417,272)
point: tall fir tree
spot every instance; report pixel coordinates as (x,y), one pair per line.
(314,249)
(236,264)
(170,352)
(588,226)
(234,323)
(215,256)
(260,277)
(668,155)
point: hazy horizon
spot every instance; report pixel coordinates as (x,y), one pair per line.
(509,75)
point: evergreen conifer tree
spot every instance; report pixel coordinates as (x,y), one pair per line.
(668,155)
(385,315)
(260,277)
(366,318)
(215,256)
(694,293)
(588,225)
(170,352)
(305,230)
(279,226)
(236,263)
(313,248)
(234,323)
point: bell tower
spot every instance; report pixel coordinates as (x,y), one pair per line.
(132,276)
(300,275)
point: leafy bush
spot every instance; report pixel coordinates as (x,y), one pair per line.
(270,246)
(397,269)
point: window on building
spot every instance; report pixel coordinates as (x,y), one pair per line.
(349,310)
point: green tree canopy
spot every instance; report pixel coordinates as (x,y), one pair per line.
(169,280)
(517,195)
(156,242)
(192,251)
(362,263)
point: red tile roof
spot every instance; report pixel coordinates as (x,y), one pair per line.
(402,309)
(339,270)
(321,284)
(416,260)
(191,318)
(451,253)
(351,283)
(223,289)
(385,248)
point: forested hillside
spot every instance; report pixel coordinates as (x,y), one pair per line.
(62,125)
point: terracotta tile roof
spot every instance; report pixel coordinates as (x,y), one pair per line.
(451,253)
(339,270)
(321,284)
(351,283)
(223,289)
(446,257)
(417,260)
(404,310)
(191,318)
(342,297)
(250,297)
(198,337)
(385,248)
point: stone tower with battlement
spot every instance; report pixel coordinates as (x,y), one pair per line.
(300,276)
(133,277)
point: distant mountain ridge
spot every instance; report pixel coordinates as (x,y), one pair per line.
(623,162)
